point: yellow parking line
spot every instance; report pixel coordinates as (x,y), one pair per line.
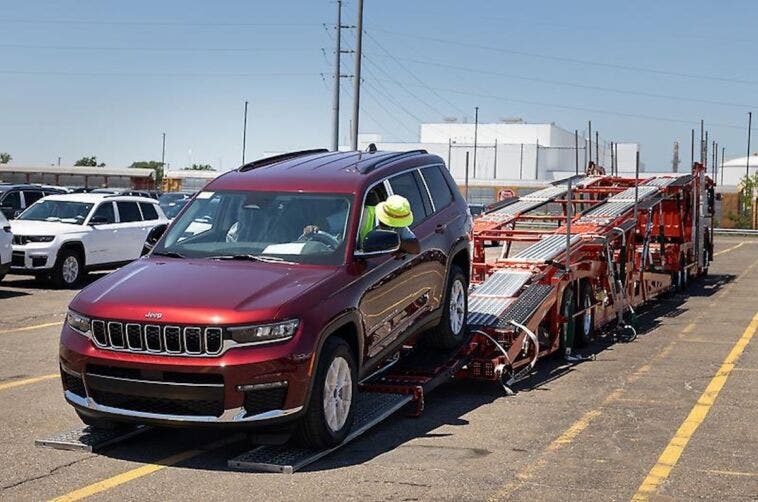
(29,328)
(27,381)
(671,454)
(729,249)
(139,472)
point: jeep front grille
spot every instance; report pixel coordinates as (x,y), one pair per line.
(153,338)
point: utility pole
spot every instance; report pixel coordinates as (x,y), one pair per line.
(675,159)
(476,131)
(702,137)
(576,150)
(336,105)
(597,148)
(244,134)
(692,149)
(612,165)
(705,151)
(59,161)
(749,127)
(357,74)
(466,185)
(163,151)
(589,142)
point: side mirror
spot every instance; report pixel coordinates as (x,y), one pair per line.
(153,237)
(17,212)
(98,220)
(380,241)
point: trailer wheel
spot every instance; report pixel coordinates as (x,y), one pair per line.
(685,279)
(585,324)
(451,331)
(566,330)
(331,407)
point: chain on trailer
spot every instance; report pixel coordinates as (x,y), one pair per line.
(589,271)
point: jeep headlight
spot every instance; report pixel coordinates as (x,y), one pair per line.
(40,238)
(264,333)
(78,322)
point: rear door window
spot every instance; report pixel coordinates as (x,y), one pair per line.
(12,200)
(128,212)
(148,211)
(32,196)
(406,185)
(438,187)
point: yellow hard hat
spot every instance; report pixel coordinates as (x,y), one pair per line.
(395,212)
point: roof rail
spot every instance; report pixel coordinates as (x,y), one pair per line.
(388,159)
(279,158)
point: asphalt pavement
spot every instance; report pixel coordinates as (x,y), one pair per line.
(671,415)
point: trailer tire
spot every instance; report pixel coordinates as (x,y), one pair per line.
(566,329)
(326,423)
(584,325)
(451,331)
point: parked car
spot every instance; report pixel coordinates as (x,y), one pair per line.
(126,191)
(14,198)
(6,239)
(272,314)
(64,236)
(173,202)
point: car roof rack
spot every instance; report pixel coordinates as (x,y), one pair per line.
(388,159)
(279,158)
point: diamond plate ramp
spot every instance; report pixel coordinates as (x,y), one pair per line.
(371,408)
(90,439)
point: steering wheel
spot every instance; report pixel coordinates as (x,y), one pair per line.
(324,238)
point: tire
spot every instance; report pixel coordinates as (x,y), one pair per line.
(584,328)
(567,329)
(100,423)
(326,422)
(68,269)
(451,331)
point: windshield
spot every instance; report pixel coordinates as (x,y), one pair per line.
(172,203)
(289,226)
(57,210)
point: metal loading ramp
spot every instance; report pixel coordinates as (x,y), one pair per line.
(371,408)
(90,439)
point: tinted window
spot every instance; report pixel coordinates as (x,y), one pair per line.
(148,211)
(405,185)
(438,186)
(128,211)
(104,213)
(32,196)
(13,199)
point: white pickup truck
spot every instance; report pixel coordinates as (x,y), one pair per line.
(64,236)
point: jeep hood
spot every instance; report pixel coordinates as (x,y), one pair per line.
(198,291)
(31,227)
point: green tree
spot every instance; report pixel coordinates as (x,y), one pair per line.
(5,157)
(89,162)
(199,167)
(744,218)
(151,164)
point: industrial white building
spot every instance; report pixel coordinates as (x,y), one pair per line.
(512,152)
(732,172)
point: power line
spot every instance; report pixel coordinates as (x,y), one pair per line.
(154,49)
(577,85)
(571,60)
(152,23)
(153,74)
(579,108)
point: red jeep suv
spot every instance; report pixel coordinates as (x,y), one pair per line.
(263,305)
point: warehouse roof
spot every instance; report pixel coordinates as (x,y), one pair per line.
(89,171)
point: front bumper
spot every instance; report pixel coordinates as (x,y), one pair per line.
(28,259)
(181,390)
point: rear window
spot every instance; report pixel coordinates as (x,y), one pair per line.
(405,185)
(128,211)
(438,187)
(148,211)
(32,196)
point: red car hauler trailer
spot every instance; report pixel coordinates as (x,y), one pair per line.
(576,259)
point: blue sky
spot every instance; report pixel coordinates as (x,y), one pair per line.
(106,78)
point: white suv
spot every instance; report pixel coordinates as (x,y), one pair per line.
(5,246)
(64,236)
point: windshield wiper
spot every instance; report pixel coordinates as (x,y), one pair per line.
(170,254)
(251,257)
